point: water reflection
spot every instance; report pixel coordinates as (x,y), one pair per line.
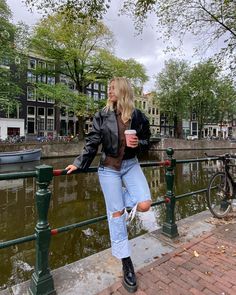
(76,198)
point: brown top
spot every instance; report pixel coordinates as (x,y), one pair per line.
(115,162)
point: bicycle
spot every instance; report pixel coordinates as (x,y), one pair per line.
(222,188)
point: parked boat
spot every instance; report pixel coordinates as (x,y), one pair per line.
(20,156)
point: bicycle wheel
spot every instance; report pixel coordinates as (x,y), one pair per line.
(219,195)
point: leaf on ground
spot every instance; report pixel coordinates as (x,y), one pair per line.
(226,220)
(177,255)
(195,253)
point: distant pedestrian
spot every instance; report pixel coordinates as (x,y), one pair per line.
(123,131)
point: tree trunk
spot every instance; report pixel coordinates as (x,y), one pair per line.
(81,134)
(177,127)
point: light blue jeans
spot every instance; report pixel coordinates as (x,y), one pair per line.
(122,189)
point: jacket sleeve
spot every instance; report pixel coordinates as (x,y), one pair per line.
(93,141)
(144,137)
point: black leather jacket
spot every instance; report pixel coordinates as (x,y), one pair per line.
(105,132)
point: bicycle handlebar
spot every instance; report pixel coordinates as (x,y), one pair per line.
(221,157)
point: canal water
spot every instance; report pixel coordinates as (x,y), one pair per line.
(78,197)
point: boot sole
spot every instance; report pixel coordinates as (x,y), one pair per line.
(130,289)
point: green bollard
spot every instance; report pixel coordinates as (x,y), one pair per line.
(169,227)
(41,281)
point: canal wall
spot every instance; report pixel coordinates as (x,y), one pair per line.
(66,149)
(49,150)
(183,144)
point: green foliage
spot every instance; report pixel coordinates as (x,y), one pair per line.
(213,22)
(8,88)
(182,91)
(78,103)
(202,83)
(171,88)
(79,50)
(74,46)
(73,8)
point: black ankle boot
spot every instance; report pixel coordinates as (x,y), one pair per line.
(129,278)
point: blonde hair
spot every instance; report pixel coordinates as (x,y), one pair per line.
(125,98)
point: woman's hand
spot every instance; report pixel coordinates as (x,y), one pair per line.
(71,168)
(133,141)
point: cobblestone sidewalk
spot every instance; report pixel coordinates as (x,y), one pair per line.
(206,265)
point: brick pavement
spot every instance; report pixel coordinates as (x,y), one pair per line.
(206,265)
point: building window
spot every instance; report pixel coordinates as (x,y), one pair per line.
(51,80)
(63,111)
(103,95)
(50,124)
(194,116)
(89,93)
(41,99)
(50,112)
(31,111)
(89,86)
(31,77)
(41,111)
(31,93)
(50,100)
(51,67)
(71,85)
(96,86)
(41,65)
(42,78)
(144,104)
(30,125)
(71,114)
(32,64)
(103,88)
(96,96)
(41,123)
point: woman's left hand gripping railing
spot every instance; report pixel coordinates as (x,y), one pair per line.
(41,280)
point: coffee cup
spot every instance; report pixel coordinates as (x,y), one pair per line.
(129,134)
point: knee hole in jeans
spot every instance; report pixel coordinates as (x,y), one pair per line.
(144,206)
(118,213)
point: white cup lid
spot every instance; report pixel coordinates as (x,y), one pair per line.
(130,131)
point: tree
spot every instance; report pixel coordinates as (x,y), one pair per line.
(202,84)
(79,49)
(171,92)
(212,21)
(8,87)
(73,8)
(130,68)
(75,102)
(225,94)
(75,47)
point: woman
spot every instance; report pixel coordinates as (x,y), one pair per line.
(121,178)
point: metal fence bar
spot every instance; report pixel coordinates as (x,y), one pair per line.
(17,175)
(196,160)
(17,241)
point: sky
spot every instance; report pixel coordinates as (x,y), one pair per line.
(145,48)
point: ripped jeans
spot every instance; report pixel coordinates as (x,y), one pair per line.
(122,189)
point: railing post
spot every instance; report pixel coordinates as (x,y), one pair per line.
(41,280)
(169,227)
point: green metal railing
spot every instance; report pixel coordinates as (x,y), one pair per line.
(42,280)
